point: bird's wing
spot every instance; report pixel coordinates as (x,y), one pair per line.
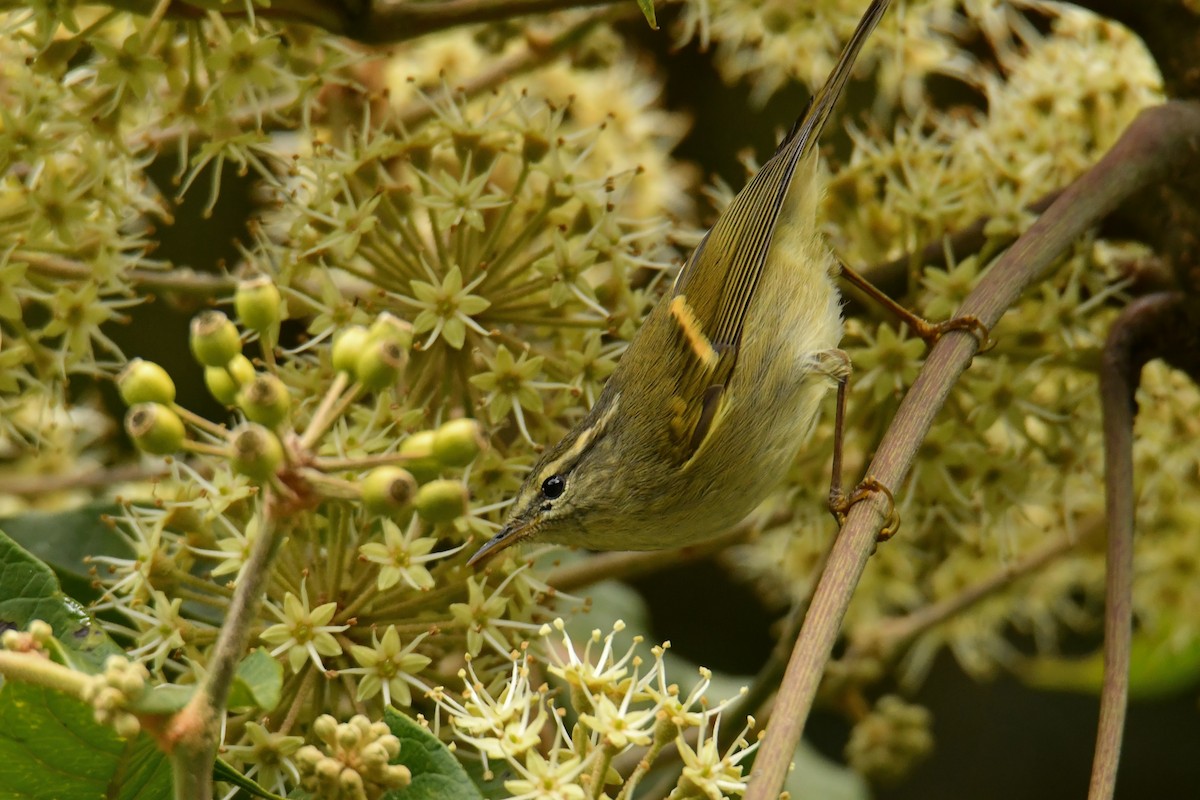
(731,258)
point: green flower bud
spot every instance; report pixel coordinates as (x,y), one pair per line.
(265,400)
(154,428)
(348,345)
(442,500)
(307,757)
(328,770)
(389,327)
(379,365)
(325,727)
(41,631)
(373,756)
(258,304)
(386,490)
(348,737)
(214,339)
(457,442)
(423,466)
(257,453)
(126,725)
(145,382)
(108,699)
(351,784)
(225,382)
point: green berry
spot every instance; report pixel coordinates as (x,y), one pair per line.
(258,304)
(214,339)
(145,382)
(442,500)
(419,447)
(379,365)
(154,428)
(457,442)
(348,345)
(386,490)
(265,400)
(389,327)
(225,382)
(257,453)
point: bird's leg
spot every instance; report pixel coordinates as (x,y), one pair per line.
(929,332)
(837,364)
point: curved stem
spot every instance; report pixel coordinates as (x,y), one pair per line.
(1127,349)
(1157,144)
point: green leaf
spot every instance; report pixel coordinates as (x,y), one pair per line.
(258,682)
(29,591)
(647,7)
(224,771)
(64,540)
(436,773)
(164,699)
(51,747)
(1158,667)
(492,788)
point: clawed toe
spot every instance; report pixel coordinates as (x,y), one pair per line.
(931,332)
(840,503)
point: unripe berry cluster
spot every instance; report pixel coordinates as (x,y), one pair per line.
(111,693)
(34,640)
(353,764)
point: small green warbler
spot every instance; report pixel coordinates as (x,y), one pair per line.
(723,381)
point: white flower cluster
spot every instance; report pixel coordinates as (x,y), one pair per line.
(592,724)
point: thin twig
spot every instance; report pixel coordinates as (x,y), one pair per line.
(535,53)
(90,479)
(1125,353)
(886,636)
(1160,142)
(195,730)
(178,279)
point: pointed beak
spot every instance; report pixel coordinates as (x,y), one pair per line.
(509,535)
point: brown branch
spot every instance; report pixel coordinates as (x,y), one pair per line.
(1160,142)
(1147,328)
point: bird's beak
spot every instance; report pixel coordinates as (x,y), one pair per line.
(510,534)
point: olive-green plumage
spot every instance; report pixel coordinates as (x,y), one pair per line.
(723,381)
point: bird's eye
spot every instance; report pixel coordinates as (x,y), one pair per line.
(553,486)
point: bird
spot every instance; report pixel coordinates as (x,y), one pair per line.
(722,383)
